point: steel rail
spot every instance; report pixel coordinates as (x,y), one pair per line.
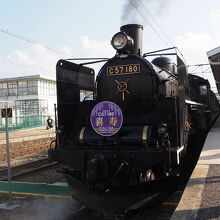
(27,168)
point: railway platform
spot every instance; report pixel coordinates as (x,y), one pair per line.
(36,201)
(36,190)
(201,197)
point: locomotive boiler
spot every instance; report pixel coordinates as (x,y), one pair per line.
(130,130)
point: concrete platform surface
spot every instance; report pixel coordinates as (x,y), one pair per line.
(34,189)
(201,197)
(40,209)
(211,150)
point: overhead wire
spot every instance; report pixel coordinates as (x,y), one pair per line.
(157,33)
(197,66)
(154,20)
(32,41)
(208,69)
(194,69)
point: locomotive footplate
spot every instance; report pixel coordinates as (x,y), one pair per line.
(126,198)
(140,158)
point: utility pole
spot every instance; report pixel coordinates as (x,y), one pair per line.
(6,113)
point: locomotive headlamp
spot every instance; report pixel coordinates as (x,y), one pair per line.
(121,42)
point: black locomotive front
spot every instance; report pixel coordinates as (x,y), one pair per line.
(130,82)
(151,139)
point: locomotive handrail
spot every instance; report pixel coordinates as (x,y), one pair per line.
(156,51)
(88,58)
(98,60)
(159,54)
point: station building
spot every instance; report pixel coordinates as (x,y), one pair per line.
(214,61)
(31,98)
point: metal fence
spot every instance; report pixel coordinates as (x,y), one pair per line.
(24,122)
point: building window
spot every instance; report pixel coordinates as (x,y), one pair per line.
(43,107)
(45,87)
(51,88)
(12,88)
(3,89)
(32,87)
(40,88)
(31,107)
(27,107)
(22,88)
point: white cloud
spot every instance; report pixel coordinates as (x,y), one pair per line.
(36,60)
(39,60)
(95,48)
(214,17)
(68,51)
(194,41)
(194,46)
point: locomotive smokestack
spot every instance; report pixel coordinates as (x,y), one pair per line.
(135,32)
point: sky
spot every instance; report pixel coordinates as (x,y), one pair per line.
(73,29)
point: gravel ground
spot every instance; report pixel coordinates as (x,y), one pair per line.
(24,159)
(65,210)
(41,209)
(47,175)
(210,204)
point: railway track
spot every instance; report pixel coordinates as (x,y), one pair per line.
(25,169)
(158,211)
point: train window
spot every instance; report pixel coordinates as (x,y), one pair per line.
(86,95)
(203,90)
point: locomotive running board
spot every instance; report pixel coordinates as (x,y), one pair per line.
(130,198)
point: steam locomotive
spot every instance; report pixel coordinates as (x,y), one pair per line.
(132,127)
(200,91)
